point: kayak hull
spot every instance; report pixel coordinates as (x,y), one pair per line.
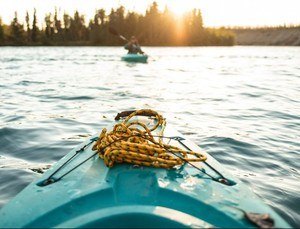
(125,195)
(135,58)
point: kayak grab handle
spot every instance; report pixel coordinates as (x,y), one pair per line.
(123,114)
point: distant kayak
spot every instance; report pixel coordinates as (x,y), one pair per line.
(135,58)
(82,191)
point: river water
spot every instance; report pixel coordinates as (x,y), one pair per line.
(240,104)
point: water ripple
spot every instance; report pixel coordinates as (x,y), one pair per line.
(240,104)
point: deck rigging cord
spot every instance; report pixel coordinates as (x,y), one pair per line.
(129,144)
(132,142)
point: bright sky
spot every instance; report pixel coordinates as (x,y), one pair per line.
(215,12)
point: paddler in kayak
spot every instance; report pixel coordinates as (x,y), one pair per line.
(133,46)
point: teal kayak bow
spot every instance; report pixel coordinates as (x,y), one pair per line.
(81,191)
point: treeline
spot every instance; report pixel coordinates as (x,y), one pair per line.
(152,28)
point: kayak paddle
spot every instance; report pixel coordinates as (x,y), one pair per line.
(114,32)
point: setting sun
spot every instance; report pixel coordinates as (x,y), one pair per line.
(179,7)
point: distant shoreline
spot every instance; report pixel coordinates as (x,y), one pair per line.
(268,36)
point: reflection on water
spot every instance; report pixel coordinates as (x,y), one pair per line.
(240,104)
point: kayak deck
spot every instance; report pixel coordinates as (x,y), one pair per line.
(93,195)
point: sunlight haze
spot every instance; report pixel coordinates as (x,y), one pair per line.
(215,12)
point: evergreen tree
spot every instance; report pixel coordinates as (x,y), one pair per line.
(28,27)
(77,27)
(48,29)
(96,27)
(16,31)
(131,24)
(58,30)
(57,23)
(101,16)
(169,23)
(120,16)
(112,18)
(113,22)
(34,33)
(1,32)
(66,29)
(152,20)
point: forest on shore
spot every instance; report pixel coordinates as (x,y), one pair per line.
(153,28)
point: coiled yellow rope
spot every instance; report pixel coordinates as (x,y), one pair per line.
(132,142)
